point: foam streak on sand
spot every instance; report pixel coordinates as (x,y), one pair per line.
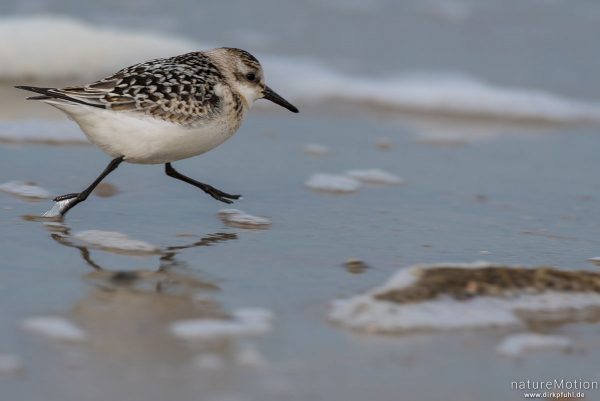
(245,321)
(351,181)
(333,183)
(375,176)
(115,242)
(517,344)
(240,219)
(54,327)
(25,190)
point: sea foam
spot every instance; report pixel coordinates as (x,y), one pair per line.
(240,219)
(243,322)
(517,344)
(334,183)
(54,327)
(25,189)
(375,176)
(112,241)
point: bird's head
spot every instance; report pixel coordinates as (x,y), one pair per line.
(246,76)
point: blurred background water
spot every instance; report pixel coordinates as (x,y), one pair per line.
(535,44)
(546,44)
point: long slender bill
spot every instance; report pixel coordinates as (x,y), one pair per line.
(269,94)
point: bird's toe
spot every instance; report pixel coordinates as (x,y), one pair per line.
(66,196)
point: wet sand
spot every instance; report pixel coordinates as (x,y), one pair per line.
(527,199)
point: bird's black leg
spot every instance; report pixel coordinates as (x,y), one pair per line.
(212,191)
(81,196)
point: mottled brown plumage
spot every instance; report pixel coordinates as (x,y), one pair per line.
(179,89)
(164,110)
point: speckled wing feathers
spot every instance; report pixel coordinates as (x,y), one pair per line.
(178,89)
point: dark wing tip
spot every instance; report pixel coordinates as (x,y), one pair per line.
(53,93)
(32,88)
(44,91)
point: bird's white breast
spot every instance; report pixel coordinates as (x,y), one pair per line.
(147,140)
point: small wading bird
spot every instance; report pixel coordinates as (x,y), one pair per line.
(164,110)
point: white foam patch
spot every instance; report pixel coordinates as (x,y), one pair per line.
(367,313)
(10,363)
(51,47)
(244,322)
(333,183)
(316,149)
(54,327)
(517,344)
(238,218)
(25,189)
(375,176)
(113,241)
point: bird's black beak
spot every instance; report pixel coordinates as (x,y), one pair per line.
(269,94)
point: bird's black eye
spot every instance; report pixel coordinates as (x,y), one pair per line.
(250,76)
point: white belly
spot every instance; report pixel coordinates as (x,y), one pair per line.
(146,140)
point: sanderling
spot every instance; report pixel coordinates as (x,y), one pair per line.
(164,110)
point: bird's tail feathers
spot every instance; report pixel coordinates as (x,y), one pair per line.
(54,94)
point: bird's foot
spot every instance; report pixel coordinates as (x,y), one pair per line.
(62,204)
(220,195)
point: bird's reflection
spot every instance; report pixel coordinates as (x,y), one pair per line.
(167,274)
(124,303)
(127,317)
